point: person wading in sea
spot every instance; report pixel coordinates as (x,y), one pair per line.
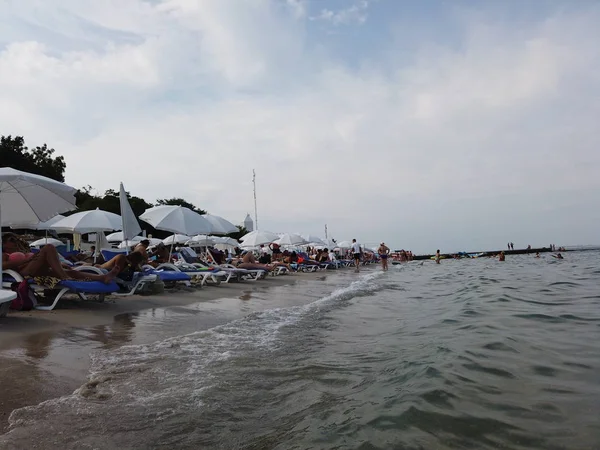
(437,256)
(356,251)
(383,251)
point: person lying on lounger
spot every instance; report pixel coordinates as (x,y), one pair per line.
(45,266)
(126,265)
(249,262)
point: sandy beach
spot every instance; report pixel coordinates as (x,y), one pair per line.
(45,354)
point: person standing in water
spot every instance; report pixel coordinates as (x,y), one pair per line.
(437,256)
(383,251)
(356,254)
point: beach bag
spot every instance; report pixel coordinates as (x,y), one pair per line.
(25,300)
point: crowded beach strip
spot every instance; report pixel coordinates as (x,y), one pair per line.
(39,274)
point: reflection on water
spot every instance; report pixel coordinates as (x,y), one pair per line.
(467,354)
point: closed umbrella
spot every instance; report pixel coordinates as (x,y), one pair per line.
(29,198)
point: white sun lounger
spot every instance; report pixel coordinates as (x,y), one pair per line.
(6,297)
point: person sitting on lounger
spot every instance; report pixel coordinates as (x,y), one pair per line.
(249,262)
(276,250)
(142,247)
(217,255)
(324,256)
(45,266)
(265,258)
(160,255)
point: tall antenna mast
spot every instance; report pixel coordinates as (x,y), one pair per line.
(255,209)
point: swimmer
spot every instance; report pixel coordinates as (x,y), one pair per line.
(383,251)
(437,256)
(501,257)
(558,256)
(537,255)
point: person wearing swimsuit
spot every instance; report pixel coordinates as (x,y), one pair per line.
(383,251)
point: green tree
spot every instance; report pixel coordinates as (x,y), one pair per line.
(138,204)
(238,234)
(40,160)
(180,202)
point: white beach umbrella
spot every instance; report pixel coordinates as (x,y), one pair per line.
(115,237)
(329,243)
(313,240)
(131,242)
(46,241)
(45,225)
(92,221)
(228,241)
(220,225)
(176,239)
(290,239)
(344,245)
(29,198)
(201,240)
(176,219)
(256,238)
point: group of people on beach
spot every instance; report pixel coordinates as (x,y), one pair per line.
(48,267)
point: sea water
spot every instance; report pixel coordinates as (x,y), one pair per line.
(474,354)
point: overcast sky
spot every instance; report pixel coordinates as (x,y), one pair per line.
(426,124)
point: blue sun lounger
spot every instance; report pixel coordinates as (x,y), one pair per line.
(169,276)
(80,288)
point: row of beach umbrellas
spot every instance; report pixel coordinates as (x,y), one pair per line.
(176,219)
(34,201)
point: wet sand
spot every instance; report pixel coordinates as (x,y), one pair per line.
(45,354)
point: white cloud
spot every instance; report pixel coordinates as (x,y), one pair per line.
(186,97)
(356,13)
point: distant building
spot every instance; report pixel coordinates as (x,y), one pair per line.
(248,223)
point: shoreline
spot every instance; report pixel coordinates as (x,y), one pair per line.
(46,354)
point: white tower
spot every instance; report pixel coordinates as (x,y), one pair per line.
(248,223)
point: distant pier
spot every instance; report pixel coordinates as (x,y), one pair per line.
(483,254)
